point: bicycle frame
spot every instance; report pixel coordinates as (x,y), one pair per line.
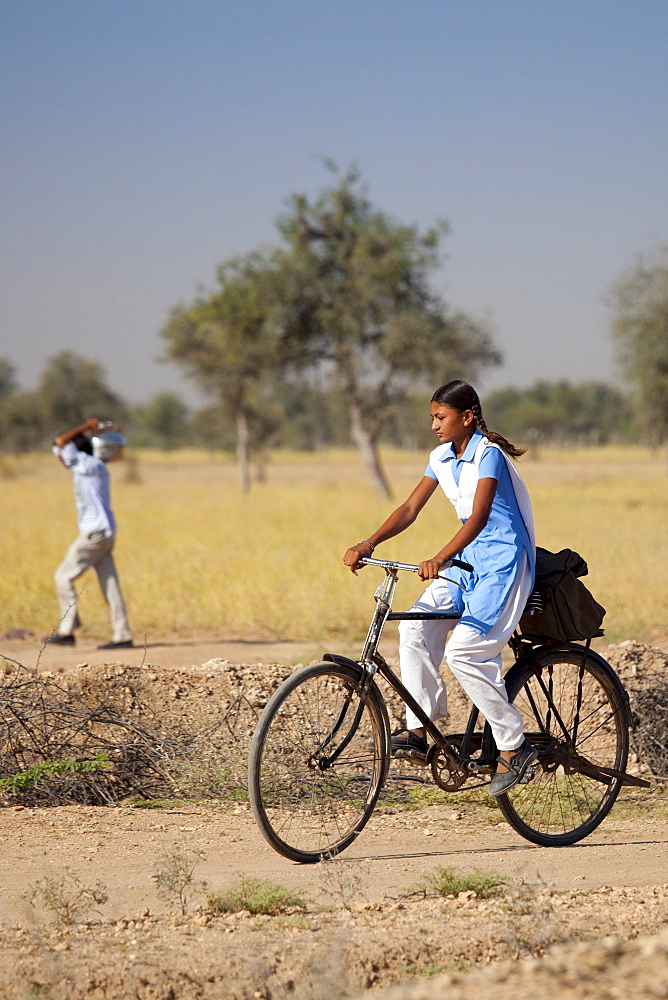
(371,660)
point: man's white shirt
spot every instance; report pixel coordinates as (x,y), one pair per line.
(91,490)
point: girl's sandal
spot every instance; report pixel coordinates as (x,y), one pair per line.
(516,769)
(404,739)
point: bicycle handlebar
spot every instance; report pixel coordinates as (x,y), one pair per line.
(411,567)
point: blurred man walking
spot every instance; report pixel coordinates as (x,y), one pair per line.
(86,450)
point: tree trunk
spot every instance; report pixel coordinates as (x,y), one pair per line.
(261,462)
(370,456)
(243,463)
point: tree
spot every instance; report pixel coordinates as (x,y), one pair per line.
(8,383)
(20,419)
(229,343)
(358,298)
(72,389)
(21,425)
(639,300)
(165,417)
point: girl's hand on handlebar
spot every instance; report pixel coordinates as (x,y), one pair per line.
(430,568)
(355,553)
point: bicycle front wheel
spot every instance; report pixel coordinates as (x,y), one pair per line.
(313,776)
(574,714)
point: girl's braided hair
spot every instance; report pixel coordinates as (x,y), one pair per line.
(461,396)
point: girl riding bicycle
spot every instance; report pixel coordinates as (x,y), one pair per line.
(497,538)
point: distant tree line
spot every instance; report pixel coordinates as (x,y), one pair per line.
(560,413)
(297,415)
(69,390)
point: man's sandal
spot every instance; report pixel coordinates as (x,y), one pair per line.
(516,769)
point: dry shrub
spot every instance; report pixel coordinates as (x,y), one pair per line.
(446,881)
(58,748)
(650,716)
(175,876)
(66,897)
(644,672)
(112,732)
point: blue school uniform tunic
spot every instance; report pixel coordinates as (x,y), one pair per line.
(497,553)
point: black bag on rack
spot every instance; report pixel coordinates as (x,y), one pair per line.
(560,606)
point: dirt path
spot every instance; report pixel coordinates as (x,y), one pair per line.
(121,847)
(169,651)
(372,932)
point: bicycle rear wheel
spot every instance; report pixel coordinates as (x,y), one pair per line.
(308,801)
(574,714)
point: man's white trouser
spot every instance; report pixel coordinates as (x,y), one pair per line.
(475,660)
(86,551)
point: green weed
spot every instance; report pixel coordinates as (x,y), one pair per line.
(420,796)
(459,965)
(257,895)
(205,780)
(50,769)
(447,881)
(650,804)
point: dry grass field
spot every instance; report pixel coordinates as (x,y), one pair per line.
(197,557)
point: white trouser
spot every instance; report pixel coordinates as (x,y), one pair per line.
(86,551)
(475,660)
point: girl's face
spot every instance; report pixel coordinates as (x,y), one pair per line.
(451,425)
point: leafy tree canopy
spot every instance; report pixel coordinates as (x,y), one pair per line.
(7,378)
(230,344)
(346,302)
(165,417)
(72,389)
(358,294)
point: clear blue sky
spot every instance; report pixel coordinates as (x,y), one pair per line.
(144,141)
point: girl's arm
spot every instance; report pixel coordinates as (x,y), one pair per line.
(482,504)
(398,521)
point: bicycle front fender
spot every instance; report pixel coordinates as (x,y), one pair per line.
(343,661)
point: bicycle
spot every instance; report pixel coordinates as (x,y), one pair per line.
(321,751)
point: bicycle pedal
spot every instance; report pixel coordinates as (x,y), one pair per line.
(413,757)
(528,776)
